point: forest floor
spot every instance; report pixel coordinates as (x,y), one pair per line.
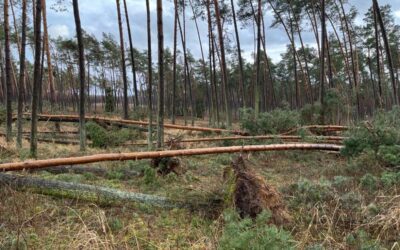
(332,202)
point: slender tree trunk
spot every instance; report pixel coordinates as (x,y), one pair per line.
(132,55)
(8,72)
(150,76)
(378,60)
(21,77)
(160,104)
(174,64)
(36,79)
(352,56)
(322,62)
(82,129)
(239,51)
(223,63)
(258,69)
(48,55)
(387,48)
(296,80)
(123,64)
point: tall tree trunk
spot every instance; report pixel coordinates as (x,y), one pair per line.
(378,60)
(352,56)
(48,55)
(82,129)
(258,69)
(223,63)
(132,55)
(239,51)
(296,80)
(174,63)
(21,77)
(322,62)
(387,48)
(8,72)
(160,104)
(125,114)
(36,79)
(149,77)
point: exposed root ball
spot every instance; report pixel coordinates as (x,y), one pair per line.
(167,165)
(252,195)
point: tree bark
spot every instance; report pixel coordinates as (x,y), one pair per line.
(8,72)
(160,104)
(21,77)
(149,76)
(322,62)
(161,154)
(123,64)
(378,60)
(223,63)
(82,128)
(36,79)
(387,48)
(132,55)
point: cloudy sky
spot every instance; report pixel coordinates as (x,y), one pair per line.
(100,16)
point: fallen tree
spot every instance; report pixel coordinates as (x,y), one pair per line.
(161,154)
(102,195)
(113,121)
(319,128)
(293,138)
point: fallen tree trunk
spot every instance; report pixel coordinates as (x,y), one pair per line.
(98,171)
(323,128)
(113,121)
(93,193)
(161,154)
(335,139)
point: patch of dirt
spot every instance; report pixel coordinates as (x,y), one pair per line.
(167,165)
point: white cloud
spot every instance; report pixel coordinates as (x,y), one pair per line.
(59,30)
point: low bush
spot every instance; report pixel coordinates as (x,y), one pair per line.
(253,234)
(309,193)
(276,121)
(102,138)
(381,135)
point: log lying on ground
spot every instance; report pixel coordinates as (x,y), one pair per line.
(98,171)
(161,154)
(104,120)
(93,193)
(322,128)
(335,139)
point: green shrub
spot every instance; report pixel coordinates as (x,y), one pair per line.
(390,179)
(390,155)
(248,234)
(276,121)
(110,100)
(370,182)
(310,114)
(102,138)
(308,192)
(381,135)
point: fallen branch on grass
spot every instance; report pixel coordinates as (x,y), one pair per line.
(92,193)
(113,121)
(161,154)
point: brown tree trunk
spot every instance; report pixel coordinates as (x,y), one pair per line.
(149,76)
(36,79)
(8,72)
(125,114)
(21,77)
(160,104)
(82,129)
(223,63)
(322,62)
(387,48)
(132,55)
